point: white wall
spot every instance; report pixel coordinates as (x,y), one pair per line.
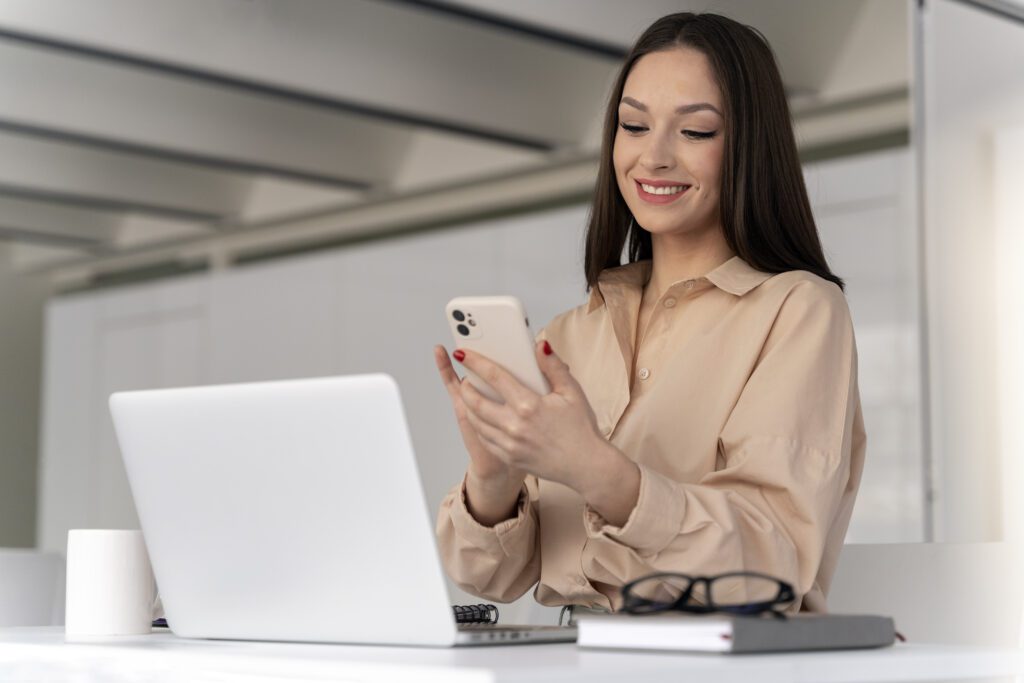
(378,307)
(972,65)
(21,335)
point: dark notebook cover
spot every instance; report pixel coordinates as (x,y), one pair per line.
(718,633)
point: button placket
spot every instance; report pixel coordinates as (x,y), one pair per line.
(658,317)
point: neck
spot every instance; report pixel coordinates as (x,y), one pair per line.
(683,257)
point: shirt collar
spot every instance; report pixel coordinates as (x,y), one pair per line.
(735,276)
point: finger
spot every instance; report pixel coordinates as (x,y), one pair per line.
(444,365)
(503,382)
(483,408)
(556,372)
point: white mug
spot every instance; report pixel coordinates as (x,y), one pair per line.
(110,586)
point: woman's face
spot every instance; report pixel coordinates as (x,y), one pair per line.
(671,131)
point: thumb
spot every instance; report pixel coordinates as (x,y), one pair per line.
(554,369)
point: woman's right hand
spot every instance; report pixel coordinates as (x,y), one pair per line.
(492,487)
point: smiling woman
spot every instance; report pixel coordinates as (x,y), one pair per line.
(704,414)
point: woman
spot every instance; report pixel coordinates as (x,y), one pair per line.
(704,415)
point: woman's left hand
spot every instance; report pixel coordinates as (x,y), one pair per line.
(554,437)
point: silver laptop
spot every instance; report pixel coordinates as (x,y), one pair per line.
(291,511)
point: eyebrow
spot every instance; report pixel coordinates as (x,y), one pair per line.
(684,109)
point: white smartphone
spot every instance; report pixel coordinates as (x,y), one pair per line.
(496,327)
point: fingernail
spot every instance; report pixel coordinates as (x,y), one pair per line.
(460,355)
(547,348)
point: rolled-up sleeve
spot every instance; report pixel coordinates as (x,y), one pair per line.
(497,563)
(785,464)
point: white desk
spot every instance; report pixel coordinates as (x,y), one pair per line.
(40,654)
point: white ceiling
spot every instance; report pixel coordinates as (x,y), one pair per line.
(132,128)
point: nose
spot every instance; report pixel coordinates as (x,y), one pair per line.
(658,153)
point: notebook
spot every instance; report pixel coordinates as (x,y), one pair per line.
(292,511)
(735,634)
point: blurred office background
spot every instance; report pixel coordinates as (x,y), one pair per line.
(208,191)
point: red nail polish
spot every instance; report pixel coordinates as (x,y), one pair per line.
(547,348)
(460,355)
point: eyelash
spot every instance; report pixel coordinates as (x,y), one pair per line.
(698,135)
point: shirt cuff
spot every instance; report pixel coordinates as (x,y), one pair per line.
(503,536)
(654,522)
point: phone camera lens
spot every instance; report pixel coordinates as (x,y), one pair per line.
(458,315)
(463,330)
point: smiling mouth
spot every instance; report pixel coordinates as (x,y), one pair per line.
(662,190)
(660,195)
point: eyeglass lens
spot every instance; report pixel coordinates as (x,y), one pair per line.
(728,590)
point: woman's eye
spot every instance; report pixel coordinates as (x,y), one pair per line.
(693,134)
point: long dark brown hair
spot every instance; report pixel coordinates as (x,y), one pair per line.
(765,213)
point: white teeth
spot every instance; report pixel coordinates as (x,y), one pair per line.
(651,189)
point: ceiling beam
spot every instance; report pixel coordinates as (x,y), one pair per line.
(428,69)
(205,161)
(590,46)
(38,169)
(25,236)
(329,103)
(100,203)
(29,219)
(122,109)
(434,208)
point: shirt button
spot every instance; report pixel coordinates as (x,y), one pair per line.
(582,581)
(644,373)
(688,284)
(670,302)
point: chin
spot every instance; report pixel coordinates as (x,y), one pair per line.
(666,226)
(663,224)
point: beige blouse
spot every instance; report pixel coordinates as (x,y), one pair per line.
(743,416)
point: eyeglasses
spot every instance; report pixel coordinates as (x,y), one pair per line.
(743,593)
